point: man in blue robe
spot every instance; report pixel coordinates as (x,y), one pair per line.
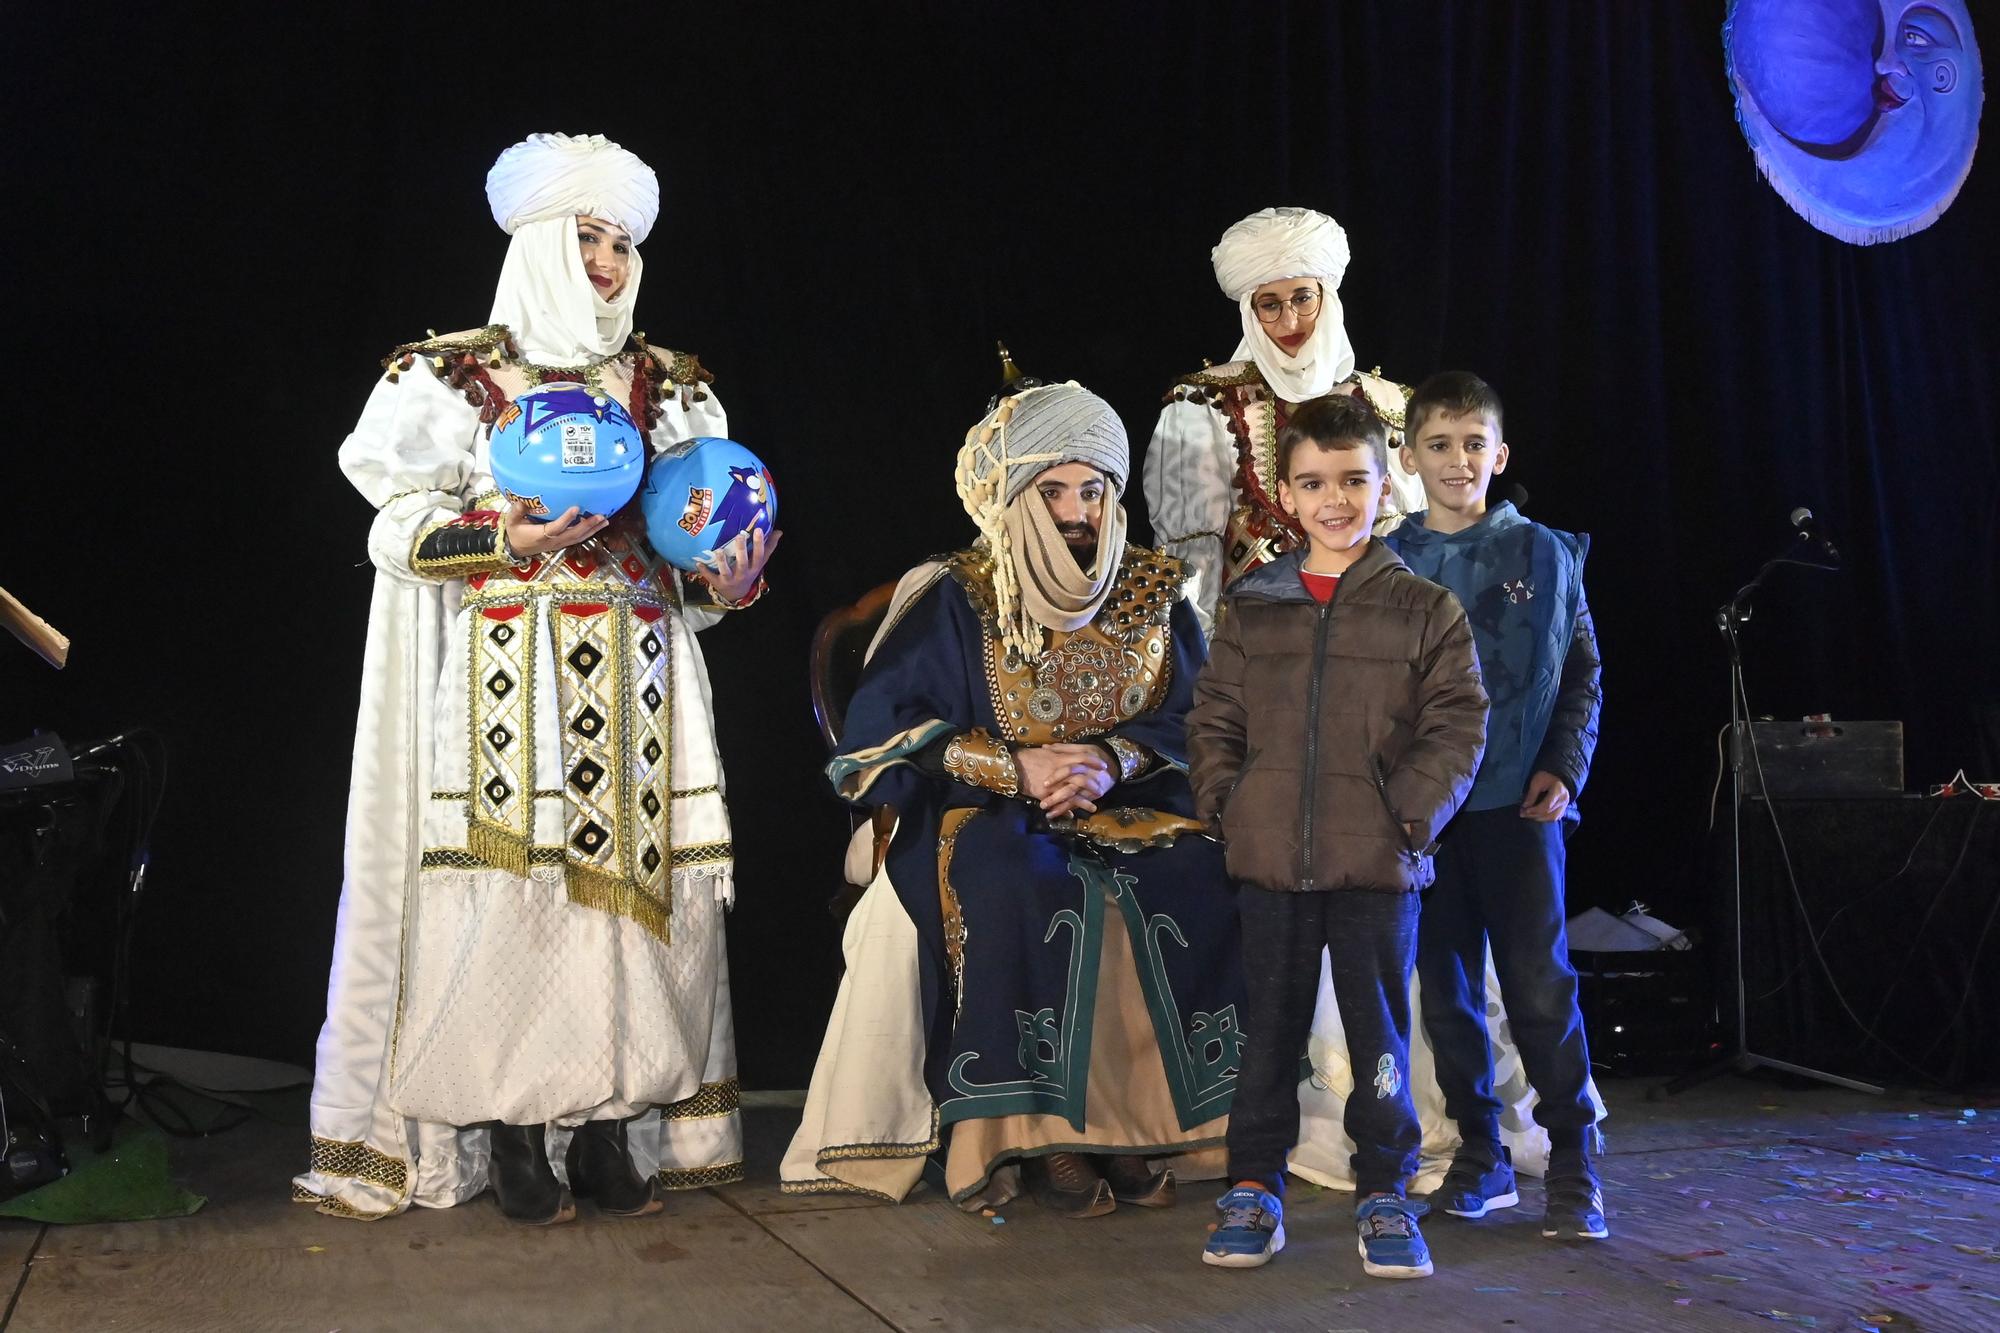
(1073,960)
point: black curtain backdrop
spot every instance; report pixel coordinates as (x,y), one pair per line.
(220,219)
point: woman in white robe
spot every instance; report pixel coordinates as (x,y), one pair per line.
(529,983)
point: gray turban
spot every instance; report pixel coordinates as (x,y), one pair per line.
(1064,423)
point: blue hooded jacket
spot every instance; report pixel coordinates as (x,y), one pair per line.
(1521,585)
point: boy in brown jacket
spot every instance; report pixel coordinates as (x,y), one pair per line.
(1334,731)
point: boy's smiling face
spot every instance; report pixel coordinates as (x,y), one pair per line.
(1335,494)
(1457,457)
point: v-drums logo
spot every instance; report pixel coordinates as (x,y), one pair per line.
(27,763)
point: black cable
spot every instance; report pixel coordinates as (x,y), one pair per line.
(1971,970)
(1861,897)
(1903,970)
(1798,898)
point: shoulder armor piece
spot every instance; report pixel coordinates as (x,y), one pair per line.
(1142,597)
(1386,396)
(1211,384)
(677,367)
(972,570)
(490,344)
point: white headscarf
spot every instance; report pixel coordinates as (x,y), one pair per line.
(537,190)
(1276,243)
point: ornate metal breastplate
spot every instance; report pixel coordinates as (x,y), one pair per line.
(1089,681)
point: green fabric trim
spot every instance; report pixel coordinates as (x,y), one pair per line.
(1061,1085)
(1202,1088)
(865,765)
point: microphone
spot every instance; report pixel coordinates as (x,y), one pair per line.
(1809,530)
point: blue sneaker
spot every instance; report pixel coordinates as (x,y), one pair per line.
(1477,1184)
(1251,1231)
(1391,1244)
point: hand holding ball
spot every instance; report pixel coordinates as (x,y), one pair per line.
(711,509)
(701,495)
(563,446)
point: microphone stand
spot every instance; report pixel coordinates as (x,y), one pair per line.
(1730,618)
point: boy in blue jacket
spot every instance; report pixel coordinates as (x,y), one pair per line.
(1500,865)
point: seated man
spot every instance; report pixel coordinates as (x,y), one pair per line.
(1045,964)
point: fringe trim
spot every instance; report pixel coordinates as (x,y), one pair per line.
(499,848)
(1845,229)
(594,888)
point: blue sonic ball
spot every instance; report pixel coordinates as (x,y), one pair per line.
(703,494)
(563,445)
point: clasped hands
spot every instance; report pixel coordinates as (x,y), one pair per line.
(1064,779)
(731,571)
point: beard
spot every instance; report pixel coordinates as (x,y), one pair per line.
(1081,538)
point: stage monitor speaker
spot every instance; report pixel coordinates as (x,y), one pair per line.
(1822,758)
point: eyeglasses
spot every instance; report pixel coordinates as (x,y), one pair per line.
(1270,310)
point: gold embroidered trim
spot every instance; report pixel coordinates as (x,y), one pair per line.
(358,1161)
(1230,375)
(679,367)
(690,793)
(700,1177)
(333,1207)
(1396,416)
(500,742)
(832,1186)
(709,1101)
(487,561)
(703,853)
(853,1152)
(480,340)
(457,858)
(861,1152)
(954,919)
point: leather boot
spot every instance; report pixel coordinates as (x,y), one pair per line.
(1068,1183)
(522,1179)
(1133,1180)
(600,1168)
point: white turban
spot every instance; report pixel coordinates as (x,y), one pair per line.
(1277,243)
(563,175)
(537,189)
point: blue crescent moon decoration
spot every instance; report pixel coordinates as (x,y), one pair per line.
(1863,114)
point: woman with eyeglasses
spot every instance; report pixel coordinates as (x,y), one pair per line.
(1211,486)
(1210,475)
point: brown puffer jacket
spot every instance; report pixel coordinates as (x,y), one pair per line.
(1318,733)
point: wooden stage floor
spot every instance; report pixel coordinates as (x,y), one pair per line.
(1742,1204)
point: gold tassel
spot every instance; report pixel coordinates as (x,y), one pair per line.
(497,847)
(602,891)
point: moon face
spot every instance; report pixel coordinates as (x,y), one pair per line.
(1864,114)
